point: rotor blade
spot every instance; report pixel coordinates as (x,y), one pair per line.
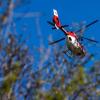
(54,28)
(89,39)
(56,41)
(50,23)
(64,26)
(61,26)
(88,25)
(95,21)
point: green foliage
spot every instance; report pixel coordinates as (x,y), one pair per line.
(11,78)
(56,95)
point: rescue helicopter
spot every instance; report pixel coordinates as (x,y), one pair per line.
(74,45)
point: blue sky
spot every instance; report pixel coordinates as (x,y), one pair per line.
(70,11)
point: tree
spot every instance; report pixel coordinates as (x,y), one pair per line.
(52,76)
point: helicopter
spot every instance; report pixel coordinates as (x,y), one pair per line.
(74,45)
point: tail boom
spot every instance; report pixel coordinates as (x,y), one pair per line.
(56,19)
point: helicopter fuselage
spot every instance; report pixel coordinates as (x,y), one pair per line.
(73,40)
(74,46)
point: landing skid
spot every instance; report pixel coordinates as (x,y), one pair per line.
(68,53)
(76,61)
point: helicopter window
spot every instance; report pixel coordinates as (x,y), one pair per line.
(70,39)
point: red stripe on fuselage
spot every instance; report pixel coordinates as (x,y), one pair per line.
(72,34)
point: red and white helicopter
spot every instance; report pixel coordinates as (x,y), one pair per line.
(73,40)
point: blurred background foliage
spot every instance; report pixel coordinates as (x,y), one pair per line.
(51,76)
